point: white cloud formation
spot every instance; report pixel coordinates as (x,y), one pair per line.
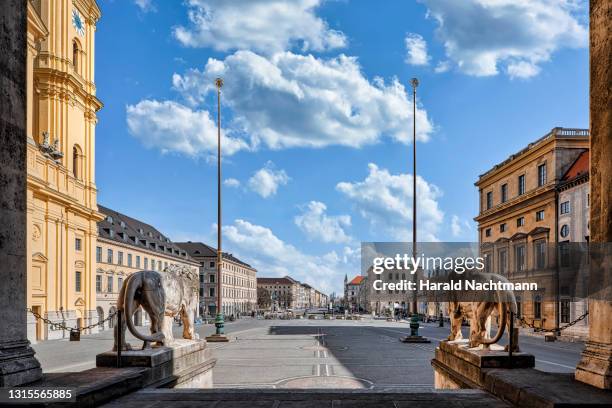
(271,256)
(266,180)
(459,227)
(481,35)
(145,5)
(385,200)
(173,127)
(231,182)
(443,66)
(264,26)
(416,50)
(316,224)
(291,100)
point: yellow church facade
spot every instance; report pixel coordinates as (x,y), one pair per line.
(62,211)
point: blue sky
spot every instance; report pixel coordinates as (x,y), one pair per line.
(317,116)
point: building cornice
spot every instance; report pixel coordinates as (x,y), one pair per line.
(566,137)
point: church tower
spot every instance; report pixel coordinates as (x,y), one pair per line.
(61,123)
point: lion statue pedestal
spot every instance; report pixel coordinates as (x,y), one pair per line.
(456,365)
(169,361)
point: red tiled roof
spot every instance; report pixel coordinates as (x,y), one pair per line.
(579,168)
(356,280)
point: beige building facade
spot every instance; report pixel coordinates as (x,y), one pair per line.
(126,245)
(61,196)
(518,218)
(238,281)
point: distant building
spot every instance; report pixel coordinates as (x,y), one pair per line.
(126,245)
(288,293)
(519,216)
(283,292)
(352,290)
(238,286)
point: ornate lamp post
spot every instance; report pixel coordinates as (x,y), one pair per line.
(414,320)
(219,320)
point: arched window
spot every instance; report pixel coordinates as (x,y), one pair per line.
(77,162)
(75,56)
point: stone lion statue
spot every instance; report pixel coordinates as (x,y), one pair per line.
(163,295)
(479,314)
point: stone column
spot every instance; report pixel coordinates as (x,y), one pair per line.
(595,367)
(17,363)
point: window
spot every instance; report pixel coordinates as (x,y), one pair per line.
(211,264)
(109,284)
(502,227)
(152,264)
(564,231)
(75,56)
(565,207)
(119,283)
(488,232)
(78,244)
(540,215)
(138,261)
(159,267)
(503,261)
(77,281)
(98,283)
(98,254)
(77,162)
(109,256)
(201,292)
(489,200)
(119,258)
(520,221)
(540,254)
(564,250)
(211,278)
(504,193)
(541,175)
(519,257)
(129,260)
(537,307)
(565,311)
(521,184)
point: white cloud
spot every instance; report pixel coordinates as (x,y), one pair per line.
(264,26)
(443,66)
(271,256)
(385,200)
(416,50)
(266,180)
(522,69)
(481,35)
(316,224)
(291,100)
(145,5)
(459,227)
(172,127)
(231,182)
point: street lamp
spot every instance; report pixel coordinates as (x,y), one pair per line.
(414,319)
(219,321)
